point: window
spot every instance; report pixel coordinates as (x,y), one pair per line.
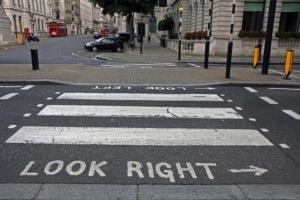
(253,15)
(290,16)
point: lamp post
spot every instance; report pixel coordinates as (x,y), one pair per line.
(181,9)
(207,43)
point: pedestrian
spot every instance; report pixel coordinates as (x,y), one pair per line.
(149,38)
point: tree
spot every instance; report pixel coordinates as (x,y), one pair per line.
(166,25)
(127,8)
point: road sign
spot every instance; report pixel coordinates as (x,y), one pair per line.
(288,63)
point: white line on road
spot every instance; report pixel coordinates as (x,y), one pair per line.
(238,108)
(264,130)
(138,136)
(250,89)
(281,73)
(284,146)
(269,100)
(292,114)
(139,111)
(40,105)
(8,96)
(12,126)
(292,89)
(27,115)
(141,97)
(252,119)
(194,65)
(28,87)
(10,86)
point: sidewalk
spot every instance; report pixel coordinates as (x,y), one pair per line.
(152,53)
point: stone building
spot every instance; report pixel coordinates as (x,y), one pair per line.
(6,35)
(31,14)
(76,19)
(86,16)
(62,12)
(250,16)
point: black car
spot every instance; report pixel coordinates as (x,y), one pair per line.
(105,44)
(125,37)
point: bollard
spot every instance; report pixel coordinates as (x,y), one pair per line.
(256,56)
(34,59)
(288,63)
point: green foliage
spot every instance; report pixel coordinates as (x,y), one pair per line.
(252,34)
(126,7)
(287,35)
(166,24)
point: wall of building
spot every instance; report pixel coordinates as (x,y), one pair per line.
(86,15)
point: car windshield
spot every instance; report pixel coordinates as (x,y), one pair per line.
(98,40)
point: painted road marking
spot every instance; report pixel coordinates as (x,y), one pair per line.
(252,119)
(138,136)
(284,146)
(12,126)
(49,98)
(139,111)
(40,105)
(10,86)
(194,65)
(141,97)
(8,96)
(238,108)
(269,100)
(27,115)
(264,130)
(292,114)
(293,89)
(28,87)
(250,89)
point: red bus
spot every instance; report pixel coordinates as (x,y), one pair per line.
(57,29)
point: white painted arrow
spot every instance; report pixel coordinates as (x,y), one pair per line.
(257,170)
(208,88)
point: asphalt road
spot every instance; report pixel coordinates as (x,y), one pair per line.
(132,139)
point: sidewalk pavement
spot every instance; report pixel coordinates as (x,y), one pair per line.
(152,53)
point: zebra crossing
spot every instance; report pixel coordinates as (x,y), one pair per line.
(8,96)
(83,106)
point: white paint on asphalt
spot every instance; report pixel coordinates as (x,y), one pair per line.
(252,169)
(27,115)
(284,146)
(12,126)
(138,136)
(238,108)
(8,96)
(49,98)
(252,119)
(40,105)
(229,100)
(10,86)
(139,111)
(141,97)
(292,89)
(281,73)
(194,65)
(28,87)
(264,130)
(292,114)
(250,89)
(269,100)
(57,92)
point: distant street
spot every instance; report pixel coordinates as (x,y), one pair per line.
(149,135)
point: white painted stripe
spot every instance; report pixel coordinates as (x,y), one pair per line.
(141,97)
(238,108)
(10,86)
(292,114)
(138,136)
(250,89)
(27,115)
(194,65)
(28,87)
(8,96)
(269,100)
(12,126)
(40,105)
(230,101)
(292,89)
(284,146)
(264,130)
(252,119)
(49,98)
(139,111)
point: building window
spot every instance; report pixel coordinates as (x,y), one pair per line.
(253,15)
(290,16)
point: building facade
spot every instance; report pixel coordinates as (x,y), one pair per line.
(6,35)
(251,17)
(86,16)
(62,12)
(33,15)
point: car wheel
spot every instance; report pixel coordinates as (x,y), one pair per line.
(95,49)
(119,49)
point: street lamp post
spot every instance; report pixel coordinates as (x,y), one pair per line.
(181,9)
(207,43)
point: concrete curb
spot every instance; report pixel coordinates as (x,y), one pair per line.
(147,192)
(224,83)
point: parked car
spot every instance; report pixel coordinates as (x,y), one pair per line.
(105,44)
(97,35)
(125,37)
